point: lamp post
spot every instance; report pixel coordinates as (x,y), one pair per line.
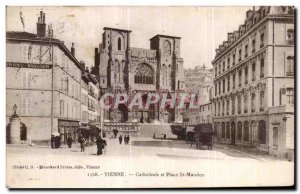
(15,127)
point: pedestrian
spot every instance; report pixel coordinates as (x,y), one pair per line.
(69,141)
(153,135)
(120,139)
(81,141)
(128,139)
(56,142)
(125,139)
(99,143)
(52,141)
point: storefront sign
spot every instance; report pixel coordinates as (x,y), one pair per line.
(28,65)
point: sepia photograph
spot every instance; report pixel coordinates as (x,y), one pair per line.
(150,97)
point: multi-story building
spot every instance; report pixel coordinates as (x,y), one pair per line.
(123,68)
(43,80)
(253,101)
(200,115)
(198,81)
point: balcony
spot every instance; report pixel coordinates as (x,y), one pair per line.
(281,109)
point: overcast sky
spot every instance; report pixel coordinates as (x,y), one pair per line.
(201,29)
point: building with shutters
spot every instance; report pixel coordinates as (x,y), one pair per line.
(43,79)
(253,100)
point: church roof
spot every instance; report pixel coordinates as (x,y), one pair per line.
(165,36)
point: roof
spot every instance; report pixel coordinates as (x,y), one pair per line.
(165,36)
(116,29)
(30,37)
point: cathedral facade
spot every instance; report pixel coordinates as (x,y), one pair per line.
(125,69)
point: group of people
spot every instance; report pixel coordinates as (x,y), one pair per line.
(55,141)
(126,139)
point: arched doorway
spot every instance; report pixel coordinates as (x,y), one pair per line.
(232,133)
(262,132)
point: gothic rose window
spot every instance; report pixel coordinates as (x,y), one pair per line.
(167,47)
(144,74)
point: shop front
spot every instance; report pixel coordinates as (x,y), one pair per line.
(66,128)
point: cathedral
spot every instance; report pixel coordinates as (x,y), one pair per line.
(125,69)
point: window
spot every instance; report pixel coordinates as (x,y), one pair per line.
(240,55)
(261,101)
(245,103)
(119,44)
(262,39)
(290,95)
(144,74)
(290,66)
(240,77)
(233,59)
(290,36)
(228,62)
(233,106)
(26,105)
(262,68)
(246,131)
(233,81)
(61,107)
(228,83)
(253,71)
(216,71)
(239,104)
(253,102)
(27,79)
(223,66)
(216,89)
(223,107)
(275,136)
(246,75)
(219,69)
(246,50)
(240,131)
(253,45)
(227,107)
(220,83)
(223,85)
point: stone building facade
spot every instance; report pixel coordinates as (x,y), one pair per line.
(90,91)
(43,80)
(253,100)
(125,69)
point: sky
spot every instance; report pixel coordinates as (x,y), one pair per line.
(201,29)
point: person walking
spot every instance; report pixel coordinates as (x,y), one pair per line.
(120,139)
(81,141)
(128,139)
(69,141)
(99,143)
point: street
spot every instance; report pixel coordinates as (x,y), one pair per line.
(144,156)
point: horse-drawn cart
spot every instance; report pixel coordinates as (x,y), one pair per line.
(203,135)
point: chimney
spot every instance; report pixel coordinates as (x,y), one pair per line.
(82,63)
(87,69)
(248,13)
(73,49)
(50,31)
(41,25)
